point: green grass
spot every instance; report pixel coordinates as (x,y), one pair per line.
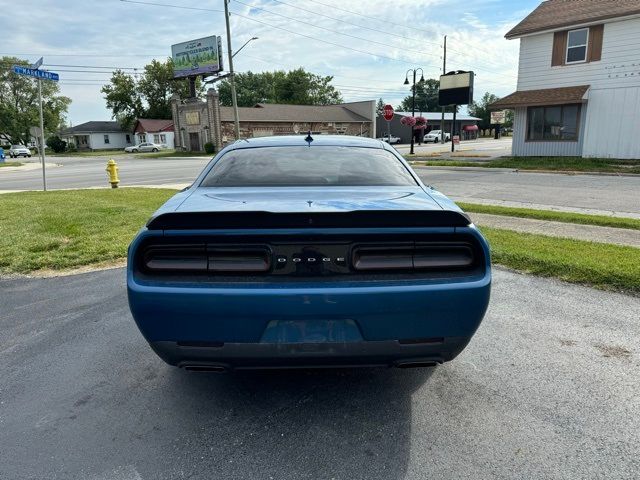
(112,153)
(561,164)
(607,267)
(567,217)
(10,164)
(66,229)
(88,153)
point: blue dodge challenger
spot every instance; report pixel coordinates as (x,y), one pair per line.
(303,252)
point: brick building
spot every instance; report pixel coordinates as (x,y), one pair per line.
(198,122)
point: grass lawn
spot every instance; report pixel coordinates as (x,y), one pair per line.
(567,217)
(65,229)
(10,164)
(607,267)
(574,164)
(111,153)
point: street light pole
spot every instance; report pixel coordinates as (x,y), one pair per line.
(413,99)
(234,98)
(245,44)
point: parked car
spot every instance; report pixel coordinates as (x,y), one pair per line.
(2,155)
(19,151)
(435,136)
(391,139)
(143,147)
(292,252)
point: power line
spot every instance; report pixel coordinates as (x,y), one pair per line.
(386,21)
(253,7)
(274,26)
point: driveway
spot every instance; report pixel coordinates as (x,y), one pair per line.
(548,388)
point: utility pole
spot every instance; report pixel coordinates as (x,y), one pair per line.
(444,72)
(234,98)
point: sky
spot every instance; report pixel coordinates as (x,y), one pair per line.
(367,46)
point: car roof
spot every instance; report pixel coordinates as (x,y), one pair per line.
(300,140)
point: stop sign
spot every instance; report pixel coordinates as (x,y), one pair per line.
(388,112)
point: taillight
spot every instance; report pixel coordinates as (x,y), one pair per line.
(182,258)
(198,258)
(417,257)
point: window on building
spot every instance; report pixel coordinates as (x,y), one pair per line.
(163,138)
(577,41)
(557,123)
(156,138)
(106,139)
(128,138)
(142,138)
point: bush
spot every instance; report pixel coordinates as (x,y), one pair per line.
(72,148)
(56,144)
(209,147)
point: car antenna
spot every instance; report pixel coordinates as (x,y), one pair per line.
(309,138)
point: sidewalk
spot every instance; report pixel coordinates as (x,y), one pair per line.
(590,233)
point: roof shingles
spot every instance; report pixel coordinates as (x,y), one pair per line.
(558,14)
(266,112)
(547,96)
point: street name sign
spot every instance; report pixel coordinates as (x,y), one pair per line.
(32,72)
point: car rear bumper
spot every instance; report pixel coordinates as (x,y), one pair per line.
(309,326)
(233,356)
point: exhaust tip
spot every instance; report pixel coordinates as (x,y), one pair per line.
(417,363)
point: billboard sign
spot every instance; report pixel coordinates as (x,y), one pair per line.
(202,56)
(499,117)
(456,88)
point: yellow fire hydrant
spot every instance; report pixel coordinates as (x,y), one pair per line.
(112,170)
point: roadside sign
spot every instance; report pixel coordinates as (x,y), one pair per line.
(38,64)
(40,75)
(499,117)
(456,139)
(388,112)
(32,72)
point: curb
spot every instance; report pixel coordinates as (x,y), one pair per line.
(517,170)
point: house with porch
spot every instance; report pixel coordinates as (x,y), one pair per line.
(97,135)
(578,90)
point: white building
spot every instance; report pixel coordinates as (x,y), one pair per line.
(155,131)
(97,136)
(578,80)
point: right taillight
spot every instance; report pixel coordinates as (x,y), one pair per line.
(417,257)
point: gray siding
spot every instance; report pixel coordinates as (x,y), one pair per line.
(522,148)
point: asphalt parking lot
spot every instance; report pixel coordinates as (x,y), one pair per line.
(548,388)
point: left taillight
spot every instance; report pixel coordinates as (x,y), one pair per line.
(175,258)
(214,259)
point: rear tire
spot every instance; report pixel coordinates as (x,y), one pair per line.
(135,150)
(154,150)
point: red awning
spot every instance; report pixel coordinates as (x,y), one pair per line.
(470,128)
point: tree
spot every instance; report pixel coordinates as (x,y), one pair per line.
(297,87)
(123,98)
(56,144)
(481,110)
(156,87)
(426,97)
(150,97)
(380,107)
(19,110)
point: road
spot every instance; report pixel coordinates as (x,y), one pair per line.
(586,193)
(548,388)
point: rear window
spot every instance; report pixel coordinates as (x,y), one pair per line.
(308,166)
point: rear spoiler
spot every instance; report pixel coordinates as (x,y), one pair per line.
(354,219)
